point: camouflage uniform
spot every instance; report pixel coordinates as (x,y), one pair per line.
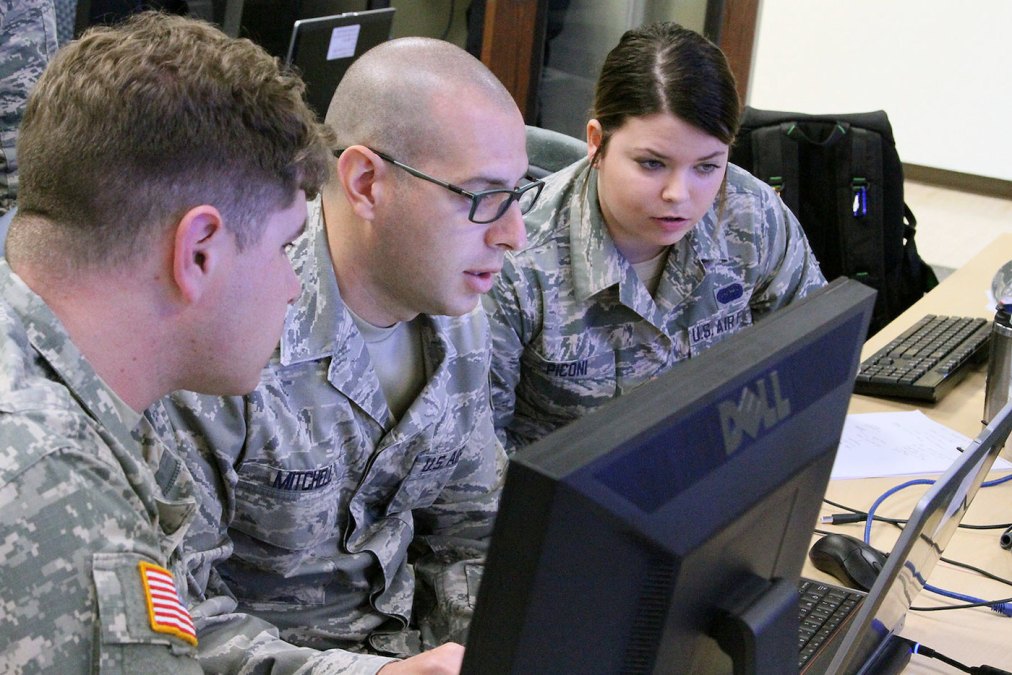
(27,41)
(88,496)
(573,326)
(350,530)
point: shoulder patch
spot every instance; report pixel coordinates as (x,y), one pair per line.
(165,611)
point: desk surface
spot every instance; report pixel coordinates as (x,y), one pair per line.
(972,636)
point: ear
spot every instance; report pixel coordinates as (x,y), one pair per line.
(595,134)
(360,172)
(199,248)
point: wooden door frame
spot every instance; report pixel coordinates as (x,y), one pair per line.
(513,43)
(513,47)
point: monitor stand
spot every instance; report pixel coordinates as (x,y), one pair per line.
(757,627)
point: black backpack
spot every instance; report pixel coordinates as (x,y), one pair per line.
(842,178)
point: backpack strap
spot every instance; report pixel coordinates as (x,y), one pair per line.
(792,130)
(859,172)
(775,155)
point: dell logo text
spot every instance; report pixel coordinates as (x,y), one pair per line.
(758,408)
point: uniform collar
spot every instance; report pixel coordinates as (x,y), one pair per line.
(50,339)
(320,326)
(135,443)
(318,322)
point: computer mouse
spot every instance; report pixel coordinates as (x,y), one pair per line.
(853,562)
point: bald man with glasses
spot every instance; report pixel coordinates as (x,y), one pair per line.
(357,486)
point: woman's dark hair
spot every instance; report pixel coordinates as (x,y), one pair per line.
(665,68)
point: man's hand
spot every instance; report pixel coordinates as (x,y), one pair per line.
(443,660)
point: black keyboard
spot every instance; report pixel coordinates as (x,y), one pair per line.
(927,360)
(823,611)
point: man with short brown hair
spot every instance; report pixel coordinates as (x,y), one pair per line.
(164,173)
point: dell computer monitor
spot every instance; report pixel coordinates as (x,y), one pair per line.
(666,531)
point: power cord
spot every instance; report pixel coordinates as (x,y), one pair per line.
(1003,606)
(985,603)
(918,648)
(858,516)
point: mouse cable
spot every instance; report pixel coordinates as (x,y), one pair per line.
(918,648)
(859,516)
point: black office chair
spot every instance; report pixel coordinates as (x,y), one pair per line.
(548,151)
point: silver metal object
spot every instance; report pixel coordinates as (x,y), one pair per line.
(999,365)
(1001,284)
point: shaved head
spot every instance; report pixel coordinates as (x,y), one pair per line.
(402,246)
(393,96)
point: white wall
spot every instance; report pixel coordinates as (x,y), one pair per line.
(942,70)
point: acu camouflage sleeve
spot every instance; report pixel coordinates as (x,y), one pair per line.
(74,540)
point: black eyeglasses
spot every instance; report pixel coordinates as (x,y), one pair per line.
(487,205)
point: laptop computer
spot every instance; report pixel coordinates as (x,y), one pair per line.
(321,49)
(869,642)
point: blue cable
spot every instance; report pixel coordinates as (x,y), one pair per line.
(888,493)
(996,481)
(1000,607)
(919,481)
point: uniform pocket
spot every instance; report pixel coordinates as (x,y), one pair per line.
(561,391)
(425,482)
(293,510)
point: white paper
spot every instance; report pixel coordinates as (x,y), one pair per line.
(898,444)
(343,41)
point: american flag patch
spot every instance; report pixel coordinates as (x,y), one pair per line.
(165,611)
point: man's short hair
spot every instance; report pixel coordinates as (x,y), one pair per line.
(131,126)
